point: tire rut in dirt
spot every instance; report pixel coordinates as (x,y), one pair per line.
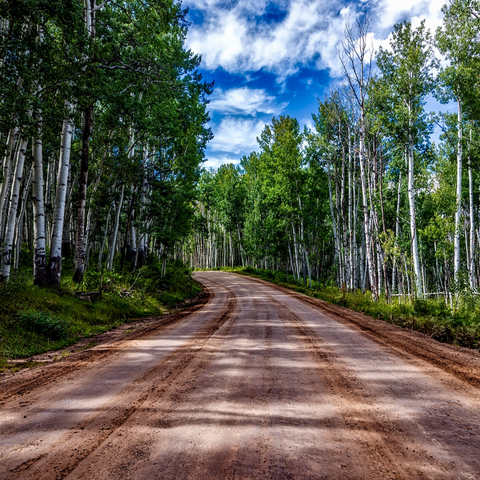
(380,443)
(47,374)
(190,408)
(86,437)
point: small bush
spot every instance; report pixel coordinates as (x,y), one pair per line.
(44,324)
(421,307)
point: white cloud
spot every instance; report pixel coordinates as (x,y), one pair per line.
(233,38)
(245,101)
(236,135)
(214,161)
(393,11)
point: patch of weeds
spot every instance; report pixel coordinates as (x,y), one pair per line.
(44,324)
(35,320)
(24,365)
(4,366)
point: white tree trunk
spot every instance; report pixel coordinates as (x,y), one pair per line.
(102,246)
(397,232)
(471,266)
(111,250)
(7,172)
(12,212)
(456,239)
(39,236)
(366,217)
(20,221)
(54,268)
(413,225)
(334,221)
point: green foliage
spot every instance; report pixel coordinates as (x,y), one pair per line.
(44,324)
(35,320)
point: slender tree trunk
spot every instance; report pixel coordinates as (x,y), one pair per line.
(291,262)
(102,246)
(40,252)
(334,221)
(54,268)
(413,219)
(397,231)
(21,221)
(366,219)
(471,267)
(7,171)
(456,241)
(111,250)
(12,213)
(80,247)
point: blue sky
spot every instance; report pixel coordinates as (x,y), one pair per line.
(269,58)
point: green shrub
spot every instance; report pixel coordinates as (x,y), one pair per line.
(421,307)
(44,324)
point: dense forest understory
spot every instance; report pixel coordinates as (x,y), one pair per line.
(104,125)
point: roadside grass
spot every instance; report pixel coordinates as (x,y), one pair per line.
(35,320)
(459,326)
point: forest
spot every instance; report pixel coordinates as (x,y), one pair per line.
(308,310)
(104,124)
(366,200)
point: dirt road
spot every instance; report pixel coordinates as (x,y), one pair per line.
(258,383)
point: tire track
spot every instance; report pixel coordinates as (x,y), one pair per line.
(159,409)
(48,374)
(86,437)
(382,452)
(462,363)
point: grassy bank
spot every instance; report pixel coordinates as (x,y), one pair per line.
(459,326)
(35,320)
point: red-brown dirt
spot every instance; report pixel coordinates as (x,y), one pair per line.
(258,382)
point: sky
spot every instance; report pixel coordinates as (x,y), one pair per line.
(278,57)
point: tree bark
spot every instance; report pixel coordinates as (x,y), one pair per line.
(456,240)
(80,247)
(40,253)
(12,213)
(7,171)
(413,219)
(21,221)
(54,267)
(471,266)
(111,251)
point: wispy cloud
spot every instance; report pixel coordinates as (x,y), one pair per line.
(234,37)
(245,101)
(214,161)
(230,38)
(236,135)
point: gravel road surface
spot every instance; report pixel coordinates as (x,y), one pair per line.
(258,382)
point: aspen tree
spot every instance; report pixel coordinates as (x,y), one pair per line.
(407,78)
(7,249)
(54,267)
(356,66)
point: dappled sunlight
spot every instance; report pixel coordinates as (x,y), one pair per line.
(249,383)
